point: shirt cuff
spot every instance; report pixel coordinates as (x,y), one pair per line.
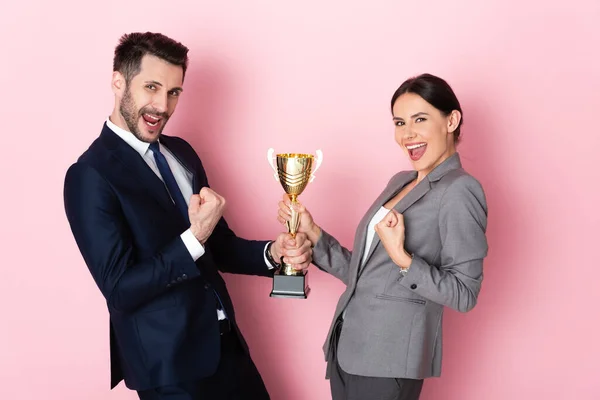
(265,257)
(192,244)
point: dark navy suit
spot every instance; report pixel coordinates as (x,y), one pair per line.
(163,321)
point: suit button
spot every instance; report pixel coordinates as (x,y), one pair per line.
(207,286)
(173,281)
(168,285)
(179,279)
(184,276)
(413,286)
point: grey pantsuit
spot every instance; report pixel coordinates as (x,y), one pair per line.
(393,323)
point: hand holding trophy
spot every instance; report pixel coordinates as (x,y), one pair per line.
(294,172)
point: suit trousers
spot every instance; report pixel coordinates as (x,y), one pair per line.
(345,386)
(236,378)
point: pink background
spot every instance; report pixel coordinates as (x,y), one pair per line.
(298,77)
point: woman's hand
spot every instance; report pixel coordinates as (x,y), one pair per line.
(307,225)
(391,233)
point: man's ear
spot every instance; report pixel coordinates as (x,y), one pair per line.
(118,84)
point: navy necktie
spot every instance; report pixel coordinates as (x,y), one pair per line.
(176,195)
(169,180)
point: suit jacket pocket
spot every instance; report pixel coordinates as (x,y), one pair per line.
(384,296)
(393,290)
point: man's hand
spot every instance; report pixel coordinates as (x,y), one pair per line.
(205,210)
(296,251)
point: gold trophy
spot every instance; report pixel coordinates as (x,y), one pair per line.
(294,172)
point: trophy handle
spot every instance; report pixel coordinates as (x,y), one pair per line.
(272,163)
(319,161)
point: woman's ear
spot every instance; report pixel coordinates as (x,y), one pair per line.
(454,120)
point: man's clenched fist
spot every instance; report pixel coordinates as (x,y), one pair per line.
(205,210)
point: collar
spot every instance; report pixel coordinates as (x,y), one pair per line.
(129,138)
(449,164)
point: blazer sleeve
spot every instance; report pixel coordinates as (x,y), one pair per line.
(106,244)
(330,256)
(235,254)
(462,225)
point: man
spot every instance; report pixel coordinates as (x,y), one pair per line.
(152,235)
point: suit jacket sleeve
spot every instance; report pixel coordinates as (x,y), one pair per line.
(237,255)
(104,239)
(462,225)
(330,256)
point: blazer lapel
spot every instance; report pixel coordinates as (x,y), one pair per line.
(390,191)
(413,196)
(181,156)
(141,172)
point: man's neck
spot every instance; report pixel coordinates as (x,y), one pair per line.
(117,119)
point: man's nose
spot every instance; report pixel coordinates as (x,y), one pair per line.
(160,102)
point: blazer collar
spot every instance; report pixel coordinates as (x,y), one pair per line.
(129,138)
(421,189)
(449,164)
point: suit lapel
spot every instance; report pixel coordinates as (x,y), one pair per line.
(413,196)
(140,171)
(184,159)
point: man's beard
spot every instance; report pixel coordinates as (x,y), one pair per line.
(131,117)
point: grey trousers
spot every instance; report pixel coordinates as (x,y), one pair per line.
(345,386)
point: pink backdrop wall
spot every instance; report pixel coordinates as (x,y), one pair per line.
(297,77)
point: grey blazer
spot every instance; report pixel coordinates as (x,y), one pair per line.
(393,323)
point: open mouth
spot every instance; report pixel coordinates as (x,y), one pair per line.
(151,120)
(416,150)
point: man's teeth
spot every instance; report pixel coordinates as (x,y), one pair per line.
(149,116)
(416,146)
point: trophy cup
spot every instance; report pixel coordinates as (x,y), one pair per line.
(294,172)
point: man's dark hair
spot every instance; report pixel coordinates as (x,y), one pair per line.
(133,47)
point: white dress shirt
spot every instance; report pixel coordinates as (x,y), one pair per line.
(183,178)
(379,215)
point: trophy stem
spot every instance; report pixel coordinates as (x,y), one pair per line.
(292,226)
(294,221)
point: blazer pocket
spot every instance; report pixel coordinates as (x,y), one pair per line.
(383,296)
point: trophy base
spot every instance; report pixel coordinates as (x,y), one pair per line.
(290,286)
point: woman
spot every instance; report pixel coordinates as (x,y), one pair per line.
(419,247)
